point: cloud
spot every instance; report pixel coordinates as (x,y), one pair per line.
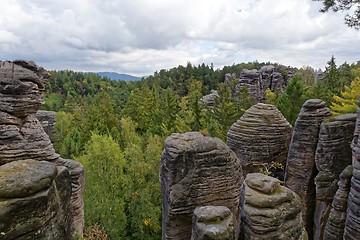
(141,36)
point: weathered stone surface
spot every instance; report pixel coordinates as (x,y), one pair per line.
(197,171)
(208,100)
(47,120)
(335,224)
(45,214)
(22,136)
(257,81)
(333,155)
(77,175)
(300,168)
(21,87)
(271,211)
(261,136)
(21,179)
(352,224)
(213,223)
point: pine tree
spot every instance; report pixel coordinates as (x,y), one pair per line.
(348,101)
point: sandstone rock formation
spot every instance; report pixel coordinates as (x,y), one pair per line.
(257,81)
(197,171)
(35,201)
(208,100)
(333,155)
(213,223)
(271,211)
(261,136)
(352,224)
(47,120)
(300,168)
(335,224)
(22,137)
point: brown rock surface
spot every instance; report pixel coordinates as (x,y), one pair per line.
(300,168)
(261,136)
(271,211)
(197,171)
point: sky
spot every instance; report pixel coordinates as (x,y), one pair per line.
(140,37)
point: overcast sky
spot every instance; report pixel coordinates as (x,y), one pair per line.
(142,36)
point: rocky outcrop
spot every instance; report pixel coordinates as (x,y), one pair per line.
(23,138)
(271,211)
(35,201)
(352,224)
(257,81)
(333,155)
(300,168)
(261,136)
(208,100)
(335,224)
(197,171)
(47,120)
(213,223)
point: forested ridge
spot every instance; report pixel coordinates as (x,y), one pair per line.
(117,129)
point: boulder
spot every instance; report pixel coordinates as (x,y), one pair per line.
(333,155)
(260,137)
(38,206)
(213,223)
(300,168)
(270,211)
(197,171)
(335,225)
(208,100)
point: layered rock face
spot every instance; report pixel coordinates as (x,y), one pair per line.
(22,136)
(213,223)
(352,224)
(208,100)
(261,136)
(197,171)
(257,81)
(335,224)
(271,211)
(47,120)
(35,201)
(300,168)
(333,155)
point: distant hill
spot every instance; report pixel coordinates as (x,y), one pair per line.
(118,76)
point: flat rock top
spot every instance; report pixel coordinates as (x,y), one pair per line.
(262,183)
(208,214)
(24,178)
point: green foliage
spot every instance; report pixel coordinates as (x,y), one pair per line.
(106,185)
(291,101)
(347,102)
(270,97)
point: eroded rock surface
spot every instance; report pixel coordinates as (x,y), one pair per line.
(333,155)
(23,138)
(271,211)
(261,136)
(300,168)
(197,171)
(47,120)
(352,224)
(213,223)
(335,224)
(208,100)
(35,204)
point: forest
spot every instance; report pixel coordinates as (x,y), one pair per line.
(116,129)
